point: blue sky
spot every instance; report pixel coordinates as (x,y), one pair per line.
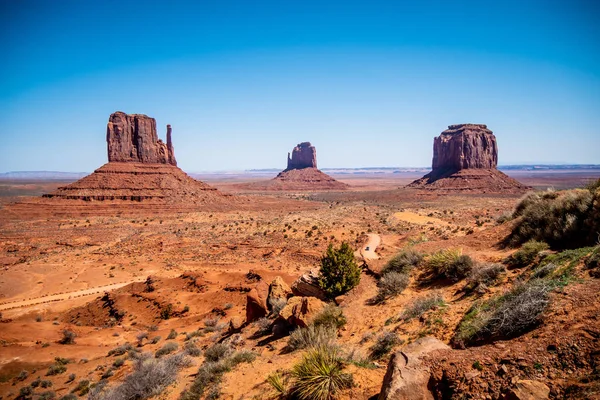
(368,83)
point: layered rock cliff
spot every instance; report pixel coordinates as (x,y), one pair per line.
(304,155)
(133,138)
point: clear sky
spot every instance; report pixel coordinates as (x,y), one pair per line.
(369,83)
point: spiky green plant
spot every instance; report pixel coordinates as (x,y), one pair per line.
(320,376)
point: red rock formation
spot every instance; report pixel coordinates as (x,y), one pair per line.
(304,155)
(133,138)
(465,157)
(465,146)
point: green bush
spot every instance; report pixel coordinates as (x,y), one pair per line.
(421,305)
(484,275)
(339,272)
(331,315)
(167,348)
(505,316)
(312,336)
(403,262)
(565,220)
(448,264)
(217,352)
(320,376)
(526,255)
(391,284)
(383,345)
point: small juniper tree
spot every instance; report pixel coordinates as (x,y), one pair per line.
(339,271)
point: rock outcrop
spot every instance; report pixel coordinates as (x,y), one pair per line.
(300,311)
(133,138)
(465,157)
(256,302)
(304,155)
(307,285)
(407,377)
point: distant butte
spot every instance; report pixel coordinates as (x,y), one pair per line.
(465,157)
(141,167)
(301,173)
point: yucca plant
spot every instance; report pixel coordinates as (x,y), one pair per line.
(319,376)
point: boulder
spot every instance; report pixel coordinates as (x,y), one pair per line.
(304,155)
(256,302)
(528,390)
(407,377)
(307,285)
(235,324)
(300,311)
(278,290)
(133,138)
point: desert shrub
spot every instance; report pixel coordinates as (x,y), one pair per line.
(339,272)
(483,276)
(390,285)
(383,345)
(25,392)
(566,219)
(421,305)
(45,384)
(155,339)
(211,322)
(166,312)
(320,376)
(526,254)
(107,374)
(280,384)
(217,351)
(357,357)
(120,350)
(82,387)
(36,382)
(403,262)
(71,377)
(149,378)
(56,369)
(212,370)
(118,363)
(331,315)
(68,337)
(543,271)
(69,396)
(592,263)
(277,305)
(312,336)
(505,316)
(191,349)
(167,348)
(193,334)
(22,375)
(448,264)
(242,356)
(172,335)
(47,395)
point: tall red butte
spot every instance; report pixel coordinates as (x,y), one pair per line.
(465,157)
(140,168)
(301,173)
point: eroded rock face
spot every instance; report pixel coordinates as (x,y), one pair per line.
(304,155)
(407,378)
(300,311)
(256,302)
(133,138)
(465,146)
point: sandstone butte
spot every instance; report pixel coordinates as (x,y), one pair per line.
(140,167)
(301,173)
(465,157)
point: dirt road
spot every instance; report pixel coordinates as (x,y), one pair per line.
(368,250)
(67,295)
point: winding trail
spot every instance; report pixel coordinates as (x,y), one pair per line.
(373,241)
(67,295)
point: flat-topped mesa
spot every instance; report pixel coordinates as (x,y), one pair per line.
(304,155)
(465,146)
(133,138)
